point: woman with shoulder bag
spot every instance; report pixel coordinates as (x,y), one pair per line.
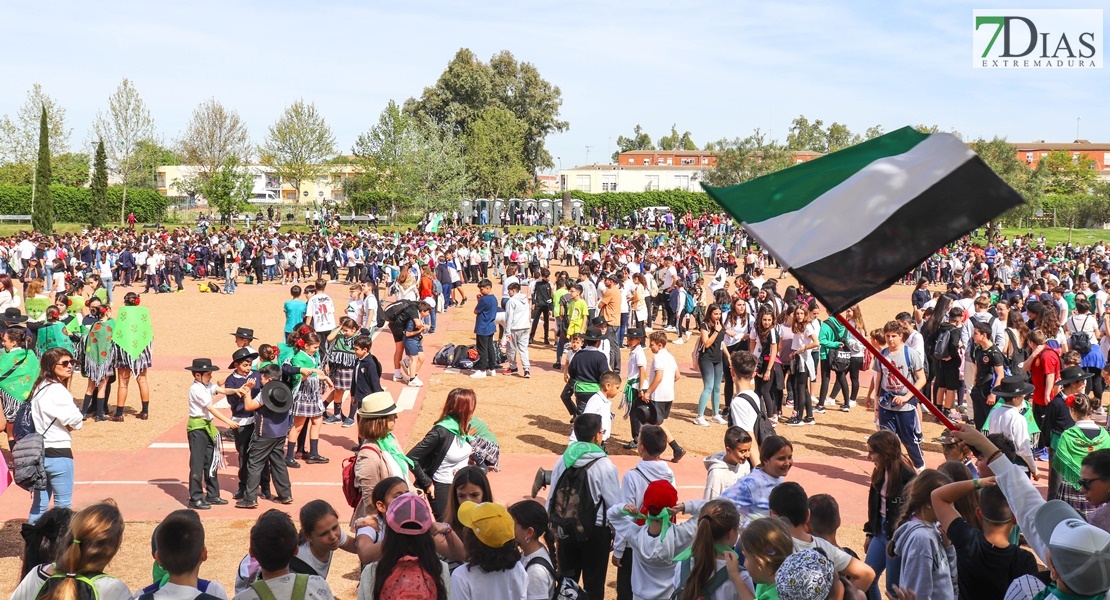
(55,416)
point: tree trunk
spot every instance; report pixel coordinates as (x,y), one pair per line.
(123,203)
(568,208)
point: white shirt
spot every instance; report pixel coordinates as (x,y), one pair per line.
(1087,323)
(109,588)
(304,552)
(663,366)
(472,583)
(541,585)
(52,410)
(741,413)
(200,398)
(637,358)
(839,558)
(599,405)
(173,591)
(1008,420)
(282,588)
(322,311)
(458,454)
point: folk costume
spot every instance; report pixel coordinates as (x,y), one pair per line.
(18,371)
(133,339)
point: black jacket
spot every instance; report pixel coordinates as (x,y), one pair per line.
(893,508)
(368,378)
(428,455)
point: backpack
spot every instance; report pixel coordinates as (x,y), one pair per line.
(300,586)
(1078,340)
(460,353)
(565,588)
(942,346)
(840,359)
(763,427)
(690,306)
(408,581)
(86,586)
(715,582)
(541,296)
(351,491)
(147,593)
(398,314)
(28,452)
(573,512)
(445,356)
(1016,362)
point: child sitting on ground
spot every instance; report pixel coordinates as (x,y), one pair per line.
(726,467)
(273,545)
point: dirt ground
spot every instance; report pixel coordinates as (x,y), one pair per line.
(525,414)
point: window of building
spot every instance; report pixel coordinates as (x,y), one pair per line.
(631,161)
(652,183)
(798,161)
(682,182)
(688,161)
(609,183)
(1074,157)
(1028,157)
(670,161)
(705,160)
(647,161)
(659,160)
(1106,158)
(583,183)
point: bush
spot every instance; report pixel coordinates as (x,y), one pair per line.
(72,204)
(625,202)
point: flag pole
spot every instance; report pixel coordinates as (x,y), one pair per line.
(896,373)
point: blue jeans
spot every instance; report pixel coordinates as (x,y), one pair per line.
(711,374)
(623,328)
(430,320)
(108,287)
(878,560)
(49,279)
(271,272)
(229,285)
(59,484)
(908,428)
(447,287)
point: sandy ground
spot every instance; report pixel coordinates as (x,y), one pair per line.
(525,414)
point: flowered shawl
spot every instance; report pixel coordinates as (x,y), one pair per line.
(19,369)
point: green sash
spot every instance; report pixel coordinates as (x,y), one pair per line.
(285,353)
(390,445)
(23,367)
(1072,448)
(577,450)
(36,308)
(209,427)
(133,333)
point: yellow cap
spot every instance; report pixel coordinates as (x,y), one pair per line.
(491,523)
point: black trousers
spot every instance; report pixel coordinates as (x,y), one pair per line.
(624,575)
(840,377)
(243,437)
(1039,414)
(201,449)
(979,407)
(486,360)
(545,314)
(588,561)
(267,452)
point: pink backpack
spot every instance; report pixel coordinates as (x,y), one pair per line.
(408,581)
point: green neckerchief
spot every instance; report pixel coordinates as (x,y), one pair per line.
(36,307)
(159,575)
(102,294)
(630,389)
(285,352)
(342,344)
(24,367)
(664,518)
(766,591)
(390,445)
(269,362)
(718,548)
(53,336)
(1073,447)
(196,423)
(133,333)
(1051,591)
(76,303)
(452,424)
(302,360)
(1025,410)
(74,325)
(577,450)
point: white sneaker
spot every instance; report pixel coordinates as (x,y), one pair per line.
(678,341)
(415,382)
(718,419)
(701,422)
(830,402)
(670,328)
(492,372)
(648,330)
(398,375)
(478,375)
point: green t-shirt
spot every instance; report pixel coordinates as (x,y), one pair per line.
(1070,299)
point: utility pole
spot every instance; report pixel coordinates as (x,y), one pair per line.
(1077,128)
(588,154)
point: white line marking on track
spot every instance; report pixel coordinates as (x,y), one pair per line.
(166,445)
(407,399)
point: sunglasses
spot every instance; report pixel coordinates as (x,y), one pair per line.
(1086,483)
(65,363)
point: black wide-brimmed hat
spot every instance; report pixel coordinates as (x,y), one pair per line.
(1071,375)
(245,333)
(646,413)
(12,315)
(635,332)
(240,355)
(1013,387)
(277,397)
(202,365)
(593,334)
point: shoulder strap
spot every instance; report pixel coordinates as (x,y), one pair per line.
(748,396)
(300,586)
(150,596)
(263,590)
(717,580)
(539,560)
(641,474)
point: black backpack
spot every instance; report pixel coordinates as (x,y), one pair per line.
(444,356)
(573,512)
(942,346)
(460,353)
(763,428)
(398,314)
(541,296)
(1016,362)
(1078,340)
(565,587)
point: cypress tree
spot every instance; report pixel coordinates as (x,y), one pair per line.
(99,187)
(42,218)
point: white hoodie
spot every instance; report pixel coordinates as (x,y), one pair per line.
(633,486)
(722,475)
(603,478)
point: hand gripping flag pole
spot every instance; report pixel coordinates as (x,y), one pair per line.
(896,373)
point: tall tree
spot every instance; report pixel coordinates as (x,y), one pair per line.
(674,141)
(19,136)
(213,138)
(1062,173)
(71,168)
(384,151)
(638,141)
(99,186)
(299,145)
(493,154)
(469,86)
(228,187)
(1001,157)
(816,137)
(125,126)
(149,155)
(741,160)
(42,217)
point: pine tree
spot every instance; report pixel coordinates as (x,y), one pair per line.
(42,218)
(99,187)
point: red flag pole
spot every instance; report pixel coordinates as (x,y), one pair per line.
(896,373)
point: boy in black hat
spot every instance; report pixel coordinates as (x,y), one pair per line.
(243,338)
(202,434)
(241,376)
(586,367)
(1009,421)
(273,418)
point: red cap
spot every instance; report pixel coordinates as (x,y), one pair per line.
(659,494)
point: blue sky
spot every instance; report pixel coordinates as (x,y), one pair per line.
(717,69)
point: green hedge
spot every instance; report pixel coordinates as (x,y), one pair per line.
(624,202)
(71,204)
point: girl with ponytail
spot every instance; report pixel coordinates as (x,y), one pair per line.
(91,543)
(718,527)
(537,548)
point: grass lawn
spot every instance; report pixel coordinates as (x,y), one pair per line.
(1056,235)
